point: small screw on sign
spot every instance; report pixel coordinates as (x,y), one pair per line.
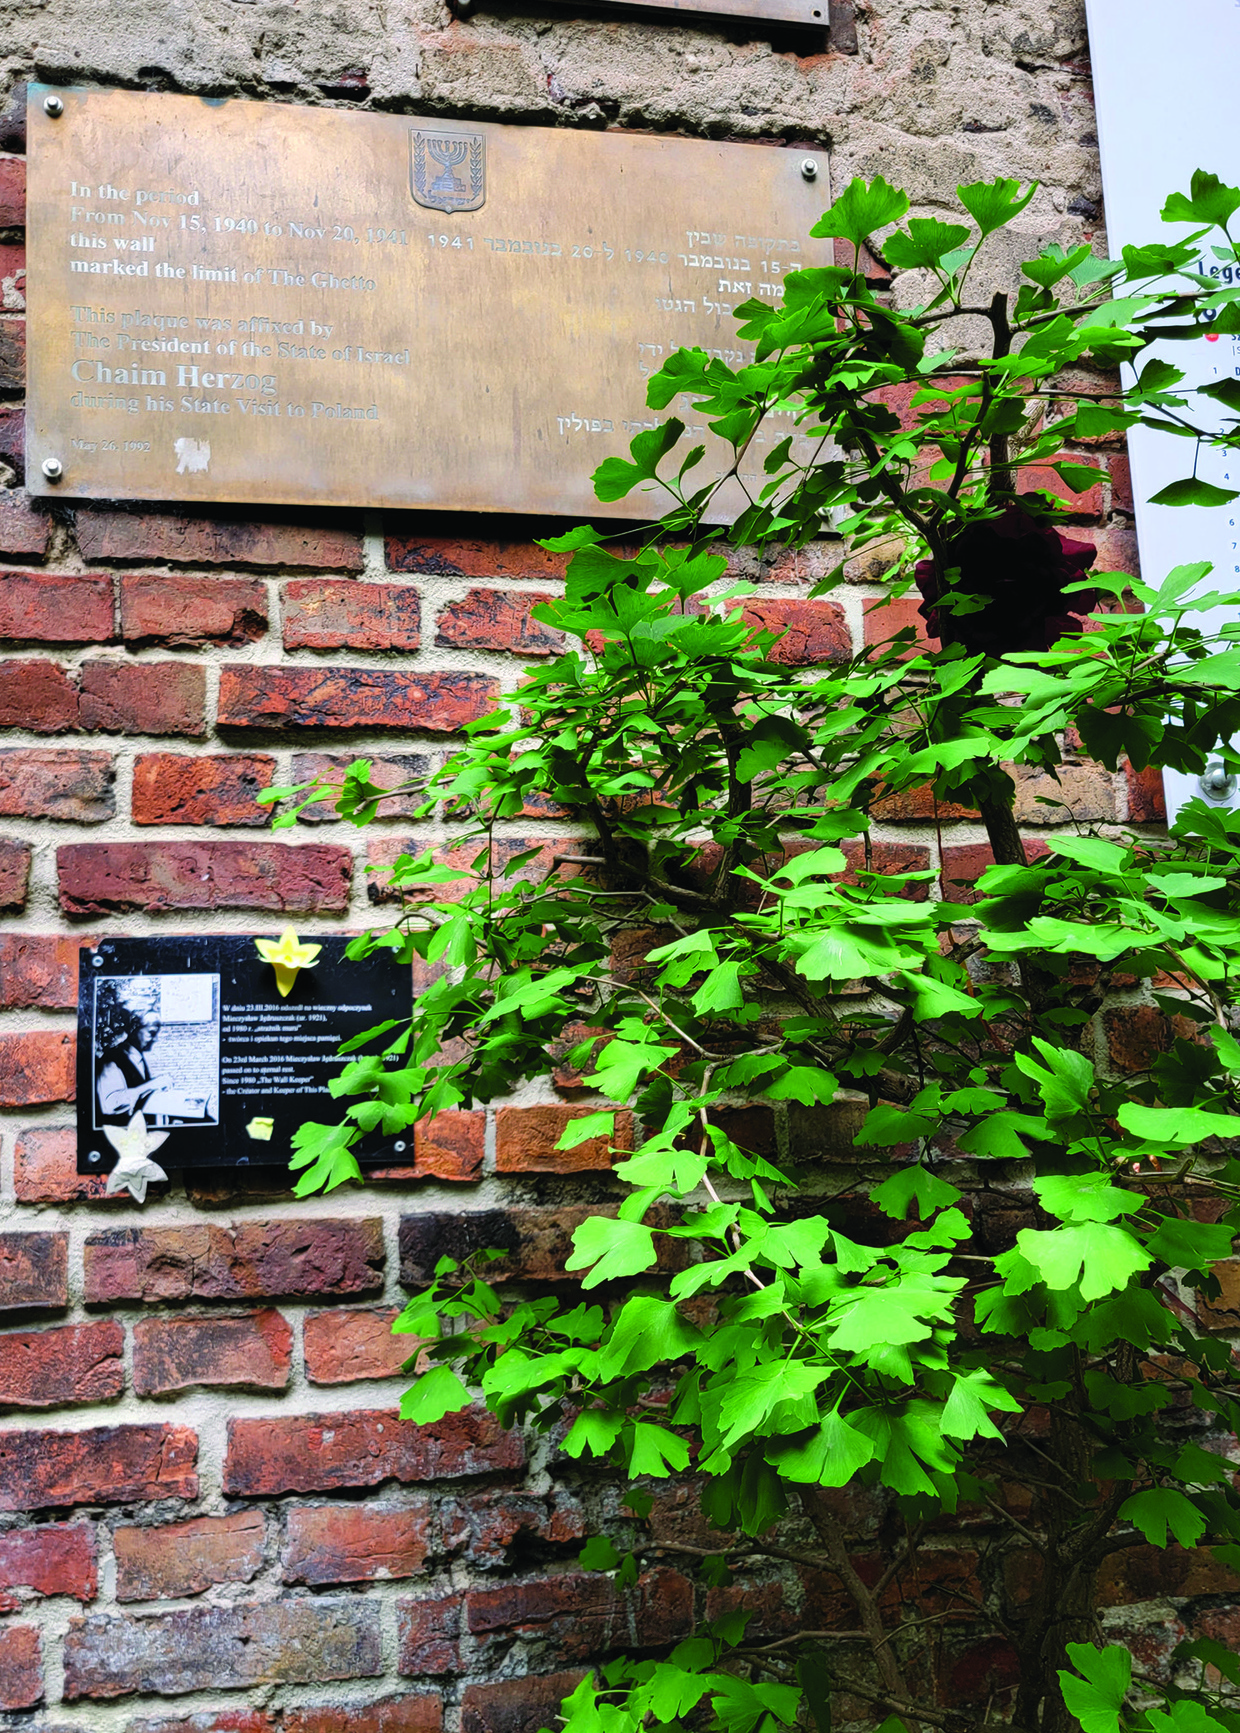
(809,168)
(52,468)
(53,106)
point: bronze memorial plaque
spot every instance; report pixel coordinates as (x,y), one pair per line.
(234,301)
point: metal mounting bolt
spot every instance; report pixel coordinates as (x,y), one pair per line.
(52,468)
(399,1147)
(53,106)
(96,962)
(809,168)
(1217,783)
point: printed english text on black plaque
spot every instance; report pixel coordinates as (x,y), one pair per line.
(193,1035)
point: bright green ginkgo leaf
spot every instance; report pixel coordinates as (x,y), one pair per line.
(436,1393)
(1161,1508)
(1100,1257)
(1097,1699)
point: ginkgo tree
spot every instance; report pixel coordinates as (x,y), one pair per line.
(991,1312)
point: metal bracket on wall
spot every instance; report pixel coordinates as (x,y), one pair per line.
(837,17)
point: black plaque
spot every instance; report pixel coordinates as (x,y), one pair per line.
(192,1033)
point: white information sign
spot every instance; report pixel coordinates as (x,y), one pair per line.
(1165,81)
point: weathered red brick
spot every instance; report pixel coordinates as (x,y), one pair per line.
(981,1672)
(57,1558)
(160,609)
(483,1527)
(12,378)
(812,632)
(264,697)
(447,1147)
(207,1261)
(356,1543)
(45,607)
(34,1269)
(36,1067)
(965,862)
(13,437)
(37,696)
(104,877)
(1041,478)
(899,398)
(1146,801)
(1223,1312)
(25,529)
(75,1363)
(497,620)
(517,1705)
(176,1353)
(1149,1573)
(161,1561)
(1121,483)
(580,1614)
(38,969)
(316,1452)
(21,1667)
(1077,793)
(142,535)
(13,120)
(526,1139)
(448,556)
(384,854)
(428,1635)
(884,618)
(825,1133)
(46,1170)
(536,1241)
(348,1344)
(1136,1035)
(420,1712)
(918,804)
(144,697)
(70,784)
(103,1465)
(321,614)
(172,788)
(886,857)
(12,276)
(393,771)
(14,872)
(223,1648)
(767,1605)
(12,192)
(1116,549)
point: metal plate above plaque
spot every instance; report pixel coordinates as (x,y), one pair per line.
(245,302)
(192,1034)
(810,14)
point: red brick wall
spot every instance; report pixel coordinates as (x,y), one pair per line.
(211,1517)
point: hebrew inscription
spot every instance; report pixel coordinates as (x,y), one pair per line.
(234,301)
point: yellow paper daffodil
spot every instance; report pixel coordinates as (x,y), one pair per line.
(288,956)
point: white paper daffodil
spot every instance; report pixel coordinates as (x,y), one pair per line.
(288,955)
(134,1170)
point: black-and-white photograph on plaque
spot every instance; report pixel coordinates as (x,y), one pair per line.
(194,1035)
(157,1049)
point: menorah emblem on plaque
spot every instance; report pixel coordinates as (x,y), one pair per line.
(459,158)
